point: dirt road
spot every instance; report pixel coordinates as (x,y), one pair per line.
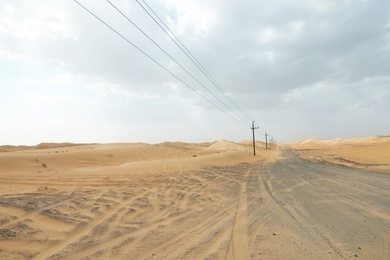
(289,209)
(318,211)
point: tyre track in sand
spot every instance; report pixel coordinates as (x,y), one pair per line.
(291,226)
(238,246)
(288,209)
(99,219)
(321,211)
(204,215)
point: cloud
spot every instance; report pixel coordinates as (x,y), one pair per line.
(299,65)
(192,18)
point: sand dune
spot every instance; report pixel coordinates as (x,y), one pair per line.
(223,145)
(171,200)
(371,152)
(54,195)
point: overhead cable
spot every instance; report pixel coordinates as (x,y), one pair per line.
(155,61)
(174,60)
(185,50)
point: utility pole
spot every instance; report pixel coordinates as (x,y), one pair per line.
(253,131)
(266,143)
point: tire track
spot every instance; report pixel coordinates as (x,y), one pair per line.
(291,222)
(99,219)
(328,204)
(238,247)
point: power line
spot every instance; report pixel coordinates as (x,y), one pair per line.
(155,61)
(173,59)
(253,128)
(188,53)
(192,57)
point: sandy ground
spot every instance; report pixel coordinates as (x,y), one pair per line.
(363,152)
(187,201)
(120,200)
(312,210)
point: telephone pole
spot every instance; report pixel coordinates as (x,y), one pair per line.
(253,131)
(266,143)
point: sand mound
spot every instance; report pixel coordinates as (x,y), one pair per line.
(53,145)
(121,200)
(185,146)
(250,143)
(12,148)
(223,145)
(307,141)
(310,143)
(363,152)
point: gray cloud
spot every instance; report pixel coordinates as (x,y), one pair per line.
(317,68)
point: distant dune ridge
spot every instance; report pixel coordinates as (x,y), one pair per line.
(371,152)
(363,152)
(223,145)
(148,157)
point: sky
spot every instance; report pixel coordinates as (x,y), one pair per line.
(299,69)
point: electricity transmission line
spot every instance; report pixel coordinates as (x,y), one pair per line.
(185,50)
(174,60)
(155,61)
(253,128)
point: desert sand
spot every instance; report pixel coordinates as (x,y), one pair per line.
(179,200)
(54,196)
(372,152)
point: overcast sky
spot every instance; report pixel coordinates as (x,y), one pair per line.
(301,69)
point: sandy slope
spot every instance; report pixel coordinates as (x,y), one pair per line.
(363,152)
(103,200)
(191,201)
